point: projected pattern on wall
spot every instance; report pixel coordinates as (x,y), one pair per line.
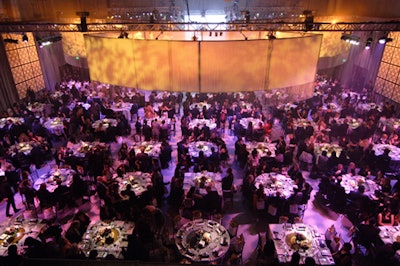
(204,66)
(24,63)
(388,78)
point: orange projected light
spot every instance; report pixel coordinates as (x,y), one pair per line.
(206,66)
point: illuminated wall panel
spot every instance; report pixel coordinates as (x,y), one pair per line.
(24,63)
(151,60)
(233,65)
(388,79)
(203,66)
(111,61)
(184,58)
(294,61)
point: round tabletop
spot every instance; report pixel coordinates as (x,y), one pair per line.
(202,240)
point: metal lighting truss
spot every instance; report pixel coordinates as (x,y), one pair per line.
(257,25)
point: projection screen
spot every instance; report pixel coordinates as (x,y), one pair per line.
(203,66)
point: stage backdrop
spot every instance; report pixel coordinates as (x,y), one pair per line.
(203,66)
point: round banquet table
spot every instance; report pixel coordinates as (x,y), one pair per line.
(201,180)
(139,181)
(107,238)
(274,183)
(202,241)
(328,147)
(351,183)
(14,121)
(124,108)
(265,149)
(55,126)
(199,106)
(201,122)
(50,178)
(394,153)
(196,147)
(151,148)
(245,122)
(105,123)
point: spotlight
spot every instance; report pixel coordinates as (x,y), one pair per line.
(194,38)
(220,33)
(384,40)
(24,38)
(350,39)
(368,44)
(309,20)
(210,34)
(216,34)
(83,26)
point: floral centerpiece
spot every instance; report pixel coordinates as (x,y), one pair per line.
(297,241)
(107,235)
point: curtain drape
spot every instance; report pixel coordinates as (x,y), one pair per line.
(51,59)
(8,91)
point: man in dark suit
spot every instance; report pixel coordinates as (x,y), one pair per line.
(212,201)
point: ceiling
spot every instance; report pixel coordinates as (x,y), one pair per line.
(140,10)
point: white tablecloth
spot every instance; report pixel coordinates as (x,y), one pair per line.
(201,122)
(124,108)
(96,238)
(285,241)
(202,240)
(196,147)
(202,180)
(273,183)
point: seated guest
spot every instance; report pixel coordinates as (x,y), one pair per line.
(294,170)
(343,256)
(212,201)
(12,258)
(322,162)
(61,194)
(386,218)
(78,187)
(44,196)
(73,233)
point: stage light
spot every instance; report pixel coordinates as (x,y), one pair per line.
(308,20)
(83,26)
(216,34)
(24,38)
(368,44)
(385,39)
(220,34)
(210,34)
(194,38)
(355,40)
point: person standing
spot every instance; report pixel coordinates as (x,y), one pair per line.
(9,194)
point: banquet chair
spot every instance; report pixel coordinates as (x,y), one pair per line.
(196,214)
(217,217)
(283,219)
(233,228)
(227,196)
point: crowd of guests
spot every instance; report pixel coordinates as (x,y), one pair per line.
(295,145)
